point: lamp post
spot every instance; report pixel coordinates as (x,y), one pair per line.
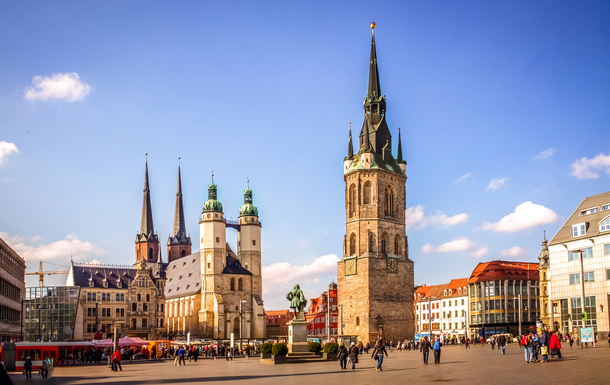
(341,305)
(97,317)
(241,342)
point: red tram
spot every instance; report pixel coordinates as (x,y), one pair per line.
(60,353)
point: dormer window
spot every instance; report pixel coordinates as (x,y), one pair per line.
(105,283)
(579,230)
(90,283)
(445,292)
(119,284)
(459,290)
(605,207)
(605,225)
(589,211)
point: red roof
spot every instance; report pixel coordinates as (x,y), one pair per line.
(496,270)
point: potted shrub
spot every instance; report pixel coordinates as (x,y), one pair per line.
(314,347)
(265,350)
(330,351)
(278,353)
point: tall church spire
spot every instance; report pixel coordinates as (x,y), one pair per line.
(178,244)
(179,229)
(147,242)
(374,87)
(399,155)
(146,224)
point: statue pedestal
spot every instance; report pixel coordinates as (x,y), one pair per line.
(297,336)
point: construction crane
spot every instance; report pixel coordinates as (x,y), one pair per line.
(40,273)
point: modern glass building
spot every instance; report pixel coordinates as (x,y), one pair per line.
(504,297)
(50,313)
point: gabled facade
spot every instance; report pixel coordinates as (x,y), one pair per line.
(586,233)
(323,314)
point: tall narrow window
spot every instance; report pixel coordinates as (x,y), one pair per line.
(384,243)
(352,200)
(352,244)
(232,284)
(239,285)
(389,202)
(397,245)
(366,193)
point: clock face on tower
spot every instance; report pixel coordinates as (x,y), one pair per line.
(392,265)
(350,266)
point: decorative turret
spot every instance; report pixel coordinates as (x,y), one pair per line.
(178,244)
(212,204)
(248,209)
(543,258)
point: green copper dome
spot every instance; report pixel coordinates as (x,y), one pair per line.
(212,204)
(248,208)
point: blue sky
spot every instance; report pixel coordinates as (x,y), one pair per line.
(502,105)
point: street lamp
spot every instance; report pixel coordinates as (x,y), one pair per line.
(97,317)
(241,342)
(342,324)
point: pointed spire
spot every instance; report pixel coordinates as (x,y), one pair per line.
(179,229)
(366,141)
(545,243)
(159,258)
(374,87)
(350,146)
(399,156)
(146,225)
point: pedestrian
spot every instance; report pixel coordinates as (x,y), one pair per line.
(424,347)
(27,367)
(536,345)
(467,343)
(181,354)
(46,367)
(379,352)
(342,356)
(528,344)
(5,379)
(115,359)
(353,354)
(492,342)
(437,351)
(502,343)
(555,345)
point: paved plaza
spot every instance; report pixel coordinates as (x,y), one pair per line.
(477,365)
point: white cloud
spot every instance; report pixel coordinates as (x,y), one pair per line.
(480,252)
(526,215)
(280,277)
(544,154)
(415,217)
(66,86)
(514,251)
(463,177)
(585,168)
(496,183)
(455,245)
(7,149)
(59,250)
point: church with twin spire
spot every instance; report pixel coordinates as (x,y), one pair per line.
(209,294)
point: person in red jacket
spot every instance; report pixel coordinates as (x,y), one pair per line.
(555,345)
(116,360)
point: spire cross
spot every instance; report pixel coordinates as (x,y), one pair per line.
(248,182)
(146,156)
(212,177)
(178,161)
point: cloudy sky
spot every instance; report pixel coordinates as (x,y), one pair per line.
(503,108)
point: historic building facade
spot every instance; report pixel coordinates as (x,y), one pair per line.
(585,234)
(130,298)
(504,298)
(444,307)
(543,268)
(375,275)
(12,292)
(323,314)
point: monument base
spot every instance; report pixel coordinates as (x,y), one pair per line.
(297,336)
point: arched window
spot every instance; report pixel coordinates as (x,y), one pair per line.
(459,290)
(384,243)
(147,297)
(544,276)
(465,289)
(246,266)
(366,193)
(209,261)
(389,202)
(397,245)
(232,284)
(352,200)
(357,321)
(150,254)
(139,297)
(445,292)
(183,253)
(239,285)
(450,292)
(605,225)
(545,290)
(352,244)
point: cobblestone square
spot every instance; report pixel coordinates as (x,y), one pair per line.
(477,365)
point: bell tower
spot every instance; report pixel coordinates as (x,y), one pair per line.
(249,240)
(375,275)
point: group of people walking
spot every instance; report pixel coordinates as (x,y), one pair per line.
(546,344)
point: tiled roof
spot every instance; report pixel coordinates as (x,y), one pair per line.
(84,274)
(183,276)
(592,220)
(496,270)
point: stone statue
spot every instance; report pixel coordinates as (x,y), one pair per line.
(297,302)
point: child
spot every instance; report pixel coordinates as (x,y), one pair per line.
(544,350)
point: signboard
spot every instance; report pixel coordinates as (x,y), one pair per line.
(313,339)
(586,335)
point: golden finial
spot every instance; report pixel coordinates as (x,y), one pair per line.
(398,128)
(373,25)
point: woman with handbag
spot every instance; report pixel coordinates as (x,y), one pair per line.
(353,354)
